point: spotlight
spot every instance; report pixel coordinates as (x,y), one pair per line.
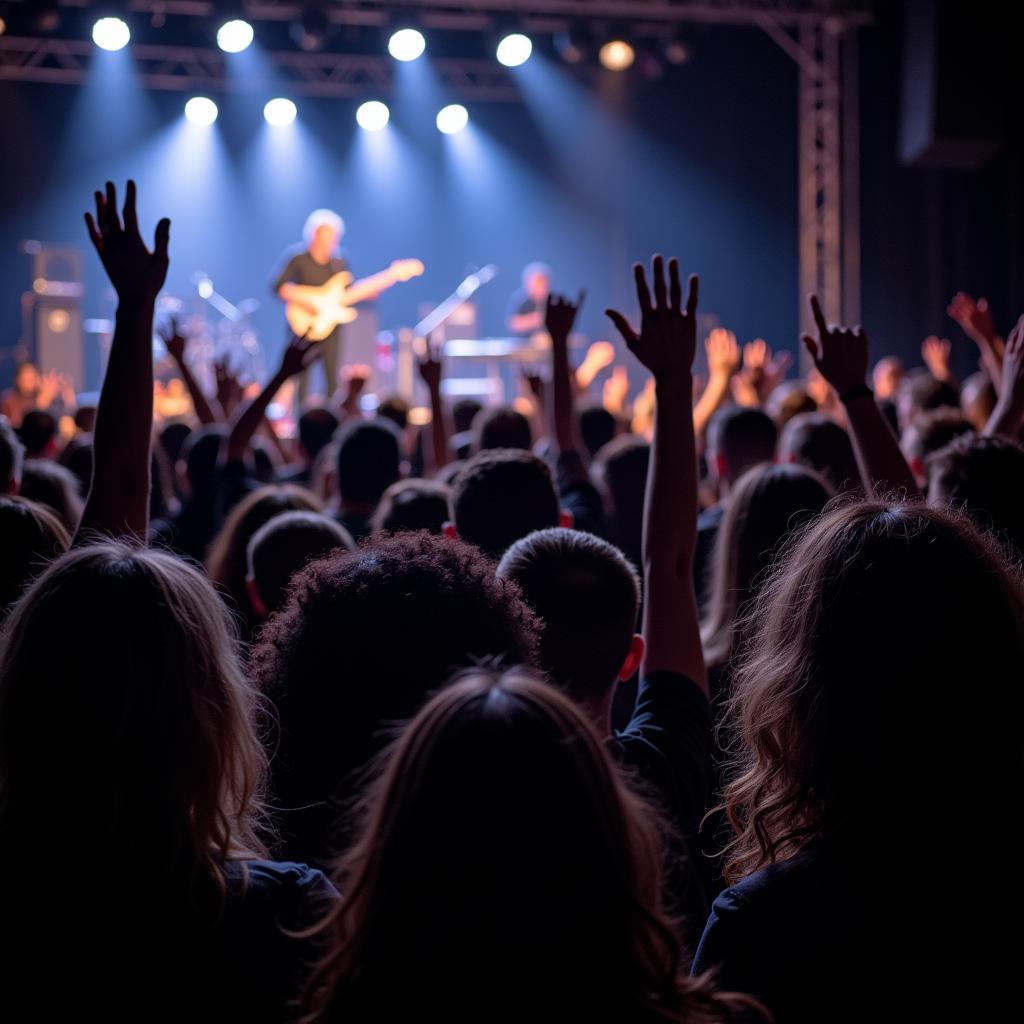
(201,110)
(452,119)
(279,112)
(514,49)
(616,55)
(111,34)
(406,44)
(205,287)
(574,46)
(235,35)
(373,116)
(311,30)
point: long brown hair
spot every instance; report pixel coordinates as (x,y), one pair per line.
(851,711)
(498,842)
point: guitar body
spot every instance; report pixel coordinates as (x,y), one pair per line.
(316,310)
(329,301)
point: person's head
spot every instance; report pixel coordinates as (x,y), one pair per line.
(498,841)
(587,596)
(921,392)
(85,418)
(282,547)
(31,535)
(789,399)
(12,458)
(172,437)
(768,505)
(853,705)
(412,505)
(537,281)
(196,469)
(738,438)
(119,675)
(501,495)
(927,433)
(226,563)
(464,411)
(983,477)
(597,427)
(977,399)
(369,462)
(46,482)
(396,409)
(360,642)
(322,231)
(620,469)
(816,441)
(77,459)
(316,428)
(27,378)
(502,427)
(38,433)
(886,377)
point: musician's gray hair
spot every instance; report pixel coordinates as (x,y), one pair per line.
(318,218)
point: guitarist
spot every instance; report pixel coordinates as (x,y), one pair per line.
(315,265)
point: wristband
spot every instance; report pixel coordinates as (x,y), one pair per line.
(862,392)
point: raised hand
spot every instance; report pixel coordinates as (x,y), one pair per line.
(935,353)
(667,338)
(174,341)
(1008,415)
(974,317)
(136,273)
(430,365)
(560,316)
(229,387)
(616,390)
(723,353)
(298,355)
(839,353)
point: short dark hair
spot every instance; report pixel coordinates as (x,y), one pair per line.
(12,455)
(932,430)
(56,487)
(789,399)
(621,467)
(501,495)
(316,428)
(587,596)
(201,454)
(38,428)
(816,441)
(411,505)
(743,436)
(502,427)
(597,427)
(85,418)
(30,536)
(396,409)
(924,392)
(982,476)
(172,438)
(287,544)
(464,411)
(369,459)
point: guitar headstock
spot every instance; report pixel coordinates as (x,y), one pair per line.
(405,270)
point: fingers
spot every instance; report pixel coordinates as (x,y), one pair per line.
(629,336)
(131,221)
(642,294)
(658,274)
(816,313)
(163,236)
(693,285)
(579,298)
(94,235)
(675,288)
(113,222)
(812,347)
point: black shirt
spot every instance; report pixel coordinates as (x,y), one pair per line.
(520,304)
(299,267)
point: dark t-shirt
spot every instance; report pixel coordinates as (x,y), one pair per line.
(520,304)
(299,267)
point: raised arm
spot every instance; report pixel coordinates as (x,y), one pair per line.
(430,374)
(1008,416)
(841,357)
(297,356)
(666,344)
(175,342)
(977,322)
(559,318)
(118,501)
(723,361)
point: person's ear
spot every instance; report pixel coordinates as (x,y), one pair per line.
(448,529)
(254,598)
(631,664)
(565,519)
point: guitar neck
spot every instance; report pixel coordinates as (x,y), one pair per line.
(367,287)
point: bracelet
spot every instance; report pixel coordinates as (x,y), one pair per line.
(862,392)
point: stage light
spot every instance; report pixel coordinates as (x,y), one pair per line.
(514,49)
(406,44)
(616,55)
(3,25)
(373,116)
(312,29)
(574,46)
(205,288)
(452,119)
(201,110)
(279,112)
(235,36)
(111,34)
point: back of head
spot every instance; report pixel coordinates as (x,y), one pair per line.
(920,392)
(201,454)
(501,495)
(819,443)
(119,676)
(363,638)
(85,418)
(77,457)
(464,411)
(12,455)
(498,841)
(38,433)
(31,535)
(587,596)
(930,431)
(316,428)
(856,685)
(396,409)
(769,504)
(977,399)
(502,427)
(369,460)
(739,438)
(172,438)
(787,400)
(983,476)
(412,505)
(597,427)
(46,482)
(621,467)
(285,545)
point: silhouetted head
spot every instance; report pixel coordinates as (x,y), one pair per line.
(738,438)
(620,469)
(977,399)
(198,460)
(787,400)
(38,433)
(12,457)
(46,482)
(597,427)
(412,505)
(927,433)
(395,409)
(369,461)
(316,428)
(921,392)
(31,536)
(502,427)
(816,441)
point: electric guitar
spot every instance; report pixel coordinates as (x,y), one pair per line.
(333,300)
